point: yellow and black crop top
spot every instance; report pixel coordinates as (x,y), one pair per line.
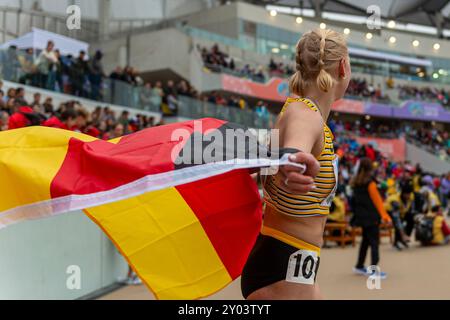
(318,201)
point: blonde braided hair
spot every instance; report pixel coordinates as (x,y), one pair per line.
(316,53)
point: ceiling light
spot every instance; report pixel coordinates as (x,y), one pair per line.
(391,24)
(415,43)
(369,36)
(299,20)
(346,31)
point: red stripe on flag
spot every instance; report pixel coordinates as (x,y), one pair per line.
(230,211)
(100,165)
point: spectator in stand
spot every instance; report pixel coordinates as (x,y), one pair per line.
(261,110)
(441,231)
(79,69)
(54,69)
(28,68)
(4,119)
(58,70)
(158,94)
(170,99)
(48,107)
(390,82)
(445,191)
(70,119)
(10,63)
(20,97)
(117,132)
(36,104)
(96,75)
(44,64)
(146,97)
(124,120)
(23,116)
(10,94)
(2,101)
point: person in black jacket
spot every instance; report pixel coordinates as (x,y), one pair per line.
(368,212)
(79,70)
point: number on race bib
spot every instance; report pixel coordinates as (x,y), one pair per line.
(302,267)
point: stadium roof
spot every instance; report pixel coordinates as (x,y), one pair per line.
(431,13)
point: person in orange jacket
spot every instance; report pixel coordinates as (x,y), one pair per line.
(368,212)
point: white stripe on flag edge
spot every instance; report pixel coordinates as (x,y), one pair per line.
(154,182)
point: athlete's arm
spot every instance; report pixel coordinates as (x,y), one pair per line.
(300,128)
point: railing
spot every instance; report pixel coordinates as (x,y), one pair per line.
(192,108)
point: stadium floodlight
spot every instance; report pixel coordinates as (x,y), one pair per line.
(391,24)
(346,31)
(299,20)
(369,36)
(436,46)
(416,43)
(392,39)
(322,26)
(273,13)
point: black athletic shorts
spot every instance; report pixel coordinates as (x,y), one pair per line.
(278,256)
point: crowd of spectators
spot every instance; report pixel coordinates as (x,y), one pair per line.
(218,61)
(103,122)
(415,193)
(425,93)
(361,88)
(80,76)
(436,141)
(49,69)
(280,69)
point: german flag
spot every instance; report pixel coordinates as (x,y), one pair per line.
(186,228)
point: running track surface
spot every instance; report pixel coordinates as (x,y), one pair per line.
(415,273)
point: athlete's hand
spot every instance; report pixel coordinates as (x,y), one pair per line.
(292,180)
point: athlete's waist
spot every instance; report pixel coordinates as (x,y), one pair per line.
(309,230)
(289,239)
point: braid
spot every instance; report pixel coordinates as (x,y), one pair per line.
(316,53)
(323,38)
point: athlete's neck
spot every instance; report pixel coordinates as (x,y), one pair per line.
(323,100)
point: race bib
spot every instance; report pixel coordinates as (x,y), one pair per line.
(328,200)
(302,267)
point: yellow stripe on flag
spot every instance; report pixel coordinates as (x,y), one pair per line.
(30,159)
(162,238)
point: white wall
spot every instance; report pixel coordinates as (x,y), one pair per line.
(151,51)
(35,255)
